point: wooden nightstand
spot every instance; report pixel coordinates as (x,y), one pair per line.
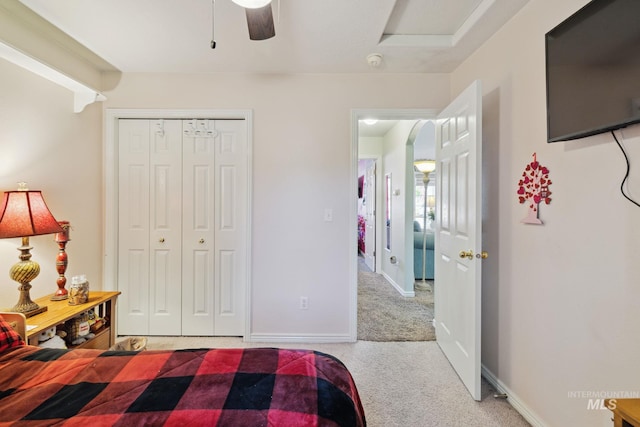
(59,312)
(626,412)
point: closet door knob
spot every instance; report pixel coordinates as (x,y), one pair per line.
(201,241)
(161,240)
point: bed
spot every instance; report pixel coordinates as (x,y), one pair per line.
(224,387)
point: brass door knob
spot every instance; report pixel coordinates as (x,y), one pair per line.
(466,254)
(201,241)
(161,240)
(483,255)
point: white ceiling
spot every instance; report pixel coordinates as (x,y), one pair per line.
(379,128)
(312,36)
(424,144)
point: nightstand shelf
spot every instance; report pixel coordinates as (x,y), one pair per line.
(626,412)
(104,304)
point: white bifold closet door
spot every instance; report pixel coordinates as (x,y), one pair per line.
(214,225)
(182,227)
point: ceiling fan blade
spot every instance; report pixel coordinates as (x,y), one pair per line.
(260,22)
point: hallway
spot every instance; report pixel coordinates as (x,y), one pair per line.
(385,315)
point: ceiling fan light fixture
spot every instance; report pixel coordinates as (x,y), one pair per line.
(252,4)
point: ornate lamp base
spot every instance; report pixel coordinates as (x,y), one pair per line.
(56,297)
(25,305)
(24,272)
(61,266)
(61,261)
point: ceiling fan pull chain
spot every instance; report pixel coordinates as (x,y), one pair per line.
(213,22)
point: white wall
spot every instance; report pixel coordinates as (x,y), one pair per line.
(370,147)
(394,163)
(560,301)
(45,144)
(301,165)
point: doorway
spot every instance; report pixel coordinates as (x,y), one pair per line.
(367,212)
(401,185)
(458,249)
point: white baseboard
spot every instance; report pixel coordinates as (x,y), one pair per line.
(398,288)
(514,400)
(300,339)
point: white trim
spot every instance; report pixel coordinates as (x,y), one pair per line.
(82,94)
(439,41)
(110,169)
(514,400)
(472,21)
(433,41)
(400,290)
(300,339)
(356,115)
(353,229)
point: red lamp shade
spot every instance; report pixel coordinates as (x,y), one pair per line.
(25,213)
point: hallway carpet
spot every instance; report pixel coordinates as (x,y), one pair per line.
(385,315)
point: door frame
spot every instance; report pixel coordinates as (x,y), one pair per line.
(357,115)
(110,185)
(376,208)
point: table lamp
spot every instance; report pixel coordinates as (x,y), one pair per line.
(24,213)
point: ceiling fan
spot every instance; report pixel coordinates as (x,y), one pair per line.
(259,18)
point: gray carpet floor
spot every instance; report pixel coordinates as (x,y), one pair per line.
(385,315)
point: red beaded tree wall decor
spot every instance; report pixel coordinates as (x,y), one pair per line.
(533,188)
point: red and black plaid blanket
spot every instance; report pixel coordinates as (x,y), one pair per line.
(224,387)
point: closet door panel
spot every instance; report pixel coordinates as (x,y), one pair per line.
(201,276)
(133,231)
(197,228)
(230,226)
(227,304)
(165,234)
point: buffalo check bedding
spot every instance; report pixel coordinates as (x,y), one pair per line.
(224,387)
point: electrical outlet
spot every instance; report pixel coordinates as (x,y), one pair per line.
(304,303)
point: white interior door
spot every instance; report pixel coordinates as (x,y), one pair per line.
(370,217)
(458,241)
(198,240)
(214,227)
(149,227)
(231,225)
(133,227)
(165,227)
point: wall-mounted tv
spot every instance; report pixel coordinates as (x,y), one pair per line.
(593,70)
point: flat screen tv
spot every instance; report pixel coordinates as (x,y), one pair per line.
(593,70)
